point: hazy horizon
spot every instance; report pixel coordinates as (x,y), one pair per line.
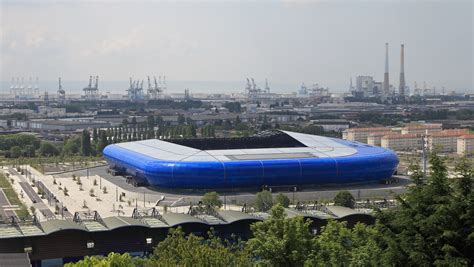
(287,42)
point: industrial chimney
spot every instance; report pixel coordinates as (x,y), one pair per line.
(401,88)
(386,84)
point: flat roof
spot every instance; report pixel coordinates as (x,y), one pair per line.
(165,220)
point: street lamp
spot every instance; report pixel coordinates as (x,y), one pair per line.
(294,190)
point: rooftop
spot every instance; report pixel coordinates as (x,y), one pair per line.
(166,220)
(450,133)
(266,145)
(372,129)
(422,126)
(467,136)
(401,136)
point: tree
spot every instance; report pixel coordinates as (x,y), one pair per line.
(150,120)
(338,245)
(95,135)
(263,200)
(86,148)
(30,151)
(345,199)
(47,149)
(72,146)
(181,119)
(282,200)
(15,152)
(434,223)
(103,142)
(279,241)
(211,199)
(180,250)
(113,259)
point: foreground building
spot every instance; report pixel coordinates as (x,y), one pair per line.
(55,242)
(272,158)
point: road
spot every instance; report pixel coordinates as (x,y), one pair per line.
(176,198)
(37,201)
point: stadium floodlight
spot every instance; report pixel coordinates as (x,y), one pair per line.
(28,249)
(149,240)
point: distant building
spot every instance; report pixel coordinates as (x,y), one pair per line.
(465,144)
(375,139)
(65,125)
(402,142)
(332,125)
(445,141)
(51,112)
(425,128)
(360,134)
(365,84)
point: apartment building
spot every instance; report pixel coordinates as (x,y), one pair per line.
(402,142)
(426,128)
(360,134)
(445,141)
(375,139)
(465,144)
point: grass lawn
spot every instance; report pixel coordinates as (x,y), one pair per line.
(12,196)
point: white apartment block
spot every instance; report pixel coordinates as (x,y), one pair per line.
(360,134)
(375,139)
(402,142)
(465,144)
(445,141)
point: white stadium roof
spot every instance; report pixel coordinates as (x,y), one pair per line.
(316,147)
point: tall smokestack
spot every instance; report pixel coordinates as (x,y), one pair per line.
(401,88)
(386,84)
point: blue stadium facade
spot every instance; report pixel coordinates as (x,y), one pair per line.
(319,160)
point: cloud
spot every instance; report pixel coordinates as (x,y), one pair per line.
(134,39)
(35,38)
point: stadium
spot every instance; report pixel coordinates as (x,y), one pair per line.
(268,159)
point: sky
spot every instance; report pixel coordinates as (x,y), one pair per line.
(288,42)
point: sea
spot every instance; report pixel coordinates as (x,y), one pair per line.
(173,87)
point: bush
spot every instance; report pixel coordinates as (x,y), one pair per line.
(282,200)
(211,199)
(263,200)
(47,149)
(345,199)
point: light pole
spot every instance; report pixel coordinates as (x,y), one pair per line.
(424,154)
(294,190)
